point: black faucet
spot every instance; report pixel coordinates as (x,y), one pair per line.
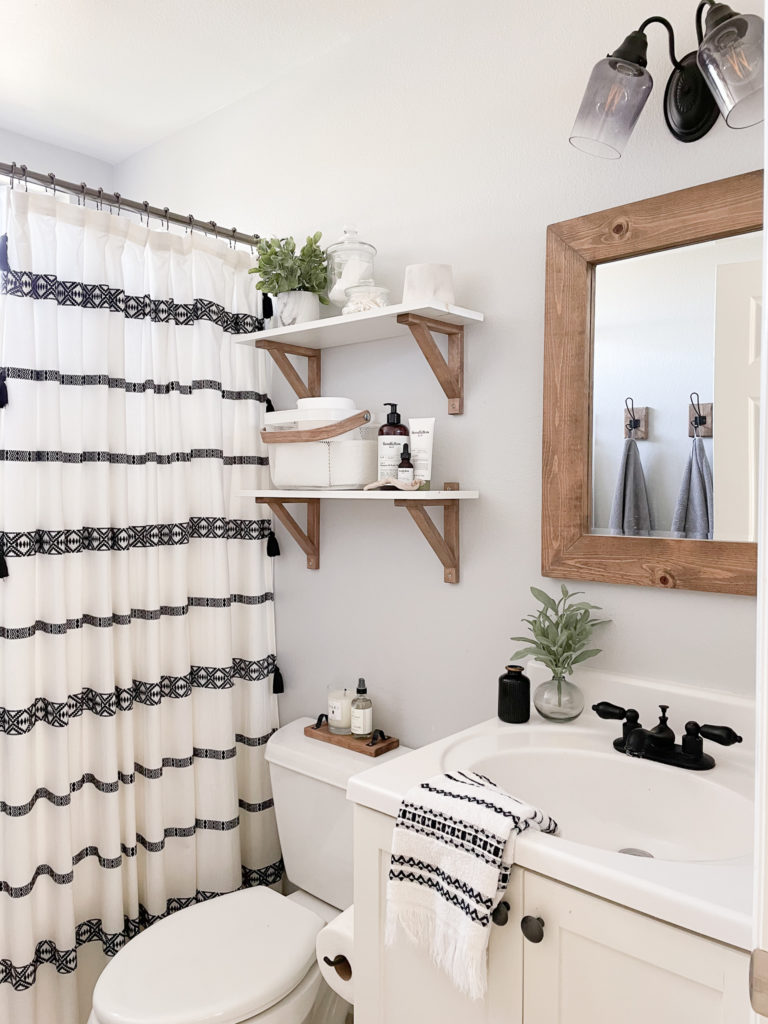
(658,744)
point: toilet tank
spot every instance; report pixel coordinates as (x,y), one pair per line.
(314,817)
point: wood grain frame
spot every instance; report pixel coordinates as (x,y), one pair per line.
(731,206)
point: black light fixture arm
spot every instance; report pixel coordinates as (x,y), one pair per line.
(663,21)
(699,24)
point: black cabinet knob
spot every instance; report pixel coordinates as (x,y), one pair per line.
(500,914)
(532,928)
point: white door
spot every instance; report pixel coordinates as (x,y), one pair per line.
(736,418)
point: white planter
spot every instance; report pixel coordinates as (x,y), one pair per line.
(296,308)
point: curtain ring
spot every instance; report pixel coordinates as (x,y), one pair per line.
(167,221)
(83,187)
(190,225)
(100,200)
(13,172)
(52,179)
(145,204)
(24,170)
(119,199)
(215,229)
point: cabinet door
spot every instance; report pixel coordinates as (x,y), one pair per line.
(399,984)
(600,962)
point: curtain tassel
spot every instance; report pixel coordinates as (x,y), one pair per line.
(269,407)
(3,567)
(266,306)
(273,548)
(3,390)
(277,681)
(4,265)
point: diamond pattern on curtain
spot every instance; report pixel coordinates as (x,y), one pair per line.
(136,622)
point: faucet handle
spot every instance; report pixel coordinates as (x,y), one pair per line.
(631,719)
(607,710)
(722,734)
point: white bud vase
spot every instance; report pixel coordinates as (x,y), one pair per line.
(296,308)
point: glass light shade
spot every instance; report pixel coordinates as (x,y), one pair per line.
(616,93)
(731,59)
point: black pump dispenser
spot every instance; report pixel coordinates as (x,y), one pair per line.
(393,416)
(361,687)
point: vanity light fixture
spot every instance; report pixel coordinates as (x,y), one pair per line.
(725,75)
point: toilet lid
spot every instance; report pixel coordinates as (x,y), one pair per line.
(222,960)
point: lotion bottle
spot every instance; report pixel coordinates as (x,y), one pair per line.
(362,712)
(391,437)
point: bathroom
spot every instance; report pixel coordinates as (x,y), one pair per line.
(443,136)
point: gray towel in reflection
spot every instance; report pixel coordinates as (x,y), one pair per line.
(694,513)
(630,512)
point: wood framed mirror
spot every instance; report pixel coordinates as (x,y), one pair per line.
(575,248)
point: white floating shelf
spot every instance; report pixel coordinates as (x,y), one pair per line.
(267,495)
(444,543)
(359,328)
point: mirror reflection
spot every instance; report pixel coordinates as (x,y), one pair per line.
(667,325)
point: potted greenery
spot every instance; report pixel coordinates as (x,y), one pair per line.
(559,634)
(296,280)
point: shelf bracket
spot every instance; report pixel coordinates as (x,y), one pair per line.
(450,374)
(280,350)
(445,544)
(309,542)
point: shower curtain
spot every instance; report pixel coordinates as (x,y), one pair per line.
(136,619)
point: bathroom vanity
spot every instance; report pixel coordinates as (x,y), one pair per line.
(592,934)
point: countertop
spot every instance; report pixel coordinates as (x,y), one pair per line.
(711,898)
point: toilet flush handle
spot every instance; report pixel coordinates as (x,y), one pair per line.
(341,965)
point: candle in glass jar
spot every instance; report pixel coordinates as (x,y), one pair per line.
(340,712)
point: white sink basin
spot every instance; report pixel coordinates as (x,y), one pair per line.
(605,799)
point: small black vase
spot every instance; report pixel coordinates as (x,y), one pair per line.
(514,695)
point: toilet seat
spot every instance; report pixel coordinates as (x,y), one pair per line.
(225,960)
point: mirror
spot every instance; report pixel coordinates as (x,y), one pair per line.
(615,328)
(695,311)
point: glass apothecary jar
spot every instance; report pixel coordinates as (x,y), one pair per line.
(350,262)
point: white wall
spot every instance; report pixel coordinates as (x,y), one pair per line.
(45,158)
(443,136)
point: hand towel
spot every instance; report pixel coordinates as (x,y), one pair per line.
(630,512)
(452,852)
(694,516)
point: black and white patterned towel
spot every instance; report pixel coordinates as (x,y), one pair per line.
(452,852)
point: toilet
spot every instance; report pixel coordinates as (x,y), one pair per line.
(248,957)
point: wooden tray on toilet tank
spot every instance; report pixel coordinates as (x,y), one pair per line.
(362,746)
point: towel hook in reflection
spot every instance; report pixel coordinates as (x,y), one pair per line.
(632,423)
(699,420)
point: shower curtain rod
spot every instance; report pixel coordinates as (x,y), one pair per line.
(20,173)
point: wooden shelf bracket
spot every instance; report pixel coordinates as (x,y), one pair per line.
(280,350)
(450,374)
(445,544)
(308,541)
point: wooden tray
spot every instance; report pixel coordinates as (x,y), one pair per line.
(351,742)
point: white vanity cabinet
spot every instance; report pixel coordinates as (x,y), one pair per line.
(597,961)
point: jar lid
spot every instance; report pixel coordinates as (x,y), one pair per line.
(349,242)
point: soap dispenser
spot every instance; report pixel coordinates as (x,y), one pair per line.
(391,436)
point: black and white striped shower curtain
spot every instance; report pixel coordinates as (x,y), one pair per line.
(136,620)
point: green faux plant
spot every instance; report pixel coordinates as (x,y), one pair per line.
(560,632)
(282,269)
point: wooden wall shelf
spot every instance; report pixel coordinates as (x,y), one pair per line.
(421,322)
(445,544)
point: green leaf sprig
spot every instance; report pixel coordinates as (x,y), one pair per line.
(560,632)
(282,269)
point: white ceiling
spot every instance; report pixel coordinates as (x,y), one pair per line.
(109,77)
